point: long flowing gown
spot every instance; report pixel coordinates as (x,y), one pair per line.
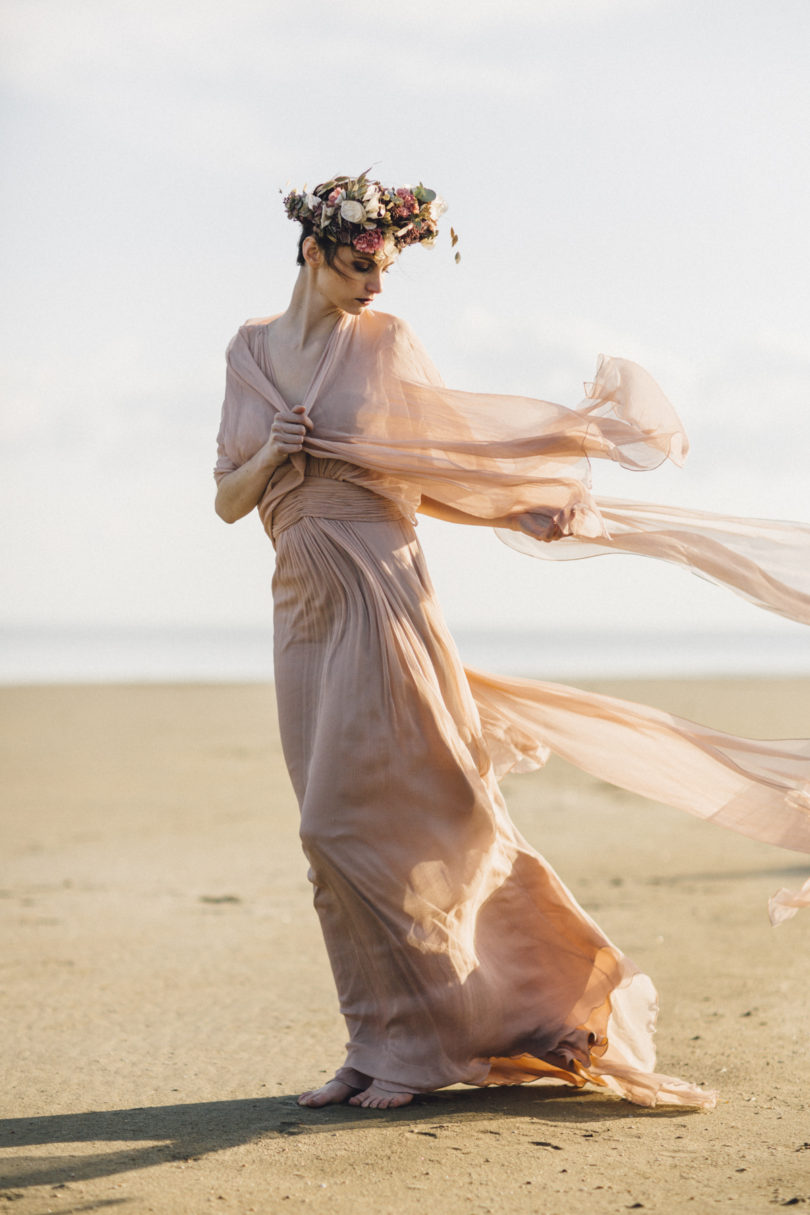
(458,953)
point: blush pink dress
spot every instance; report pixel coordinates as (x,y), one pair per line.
(458,953)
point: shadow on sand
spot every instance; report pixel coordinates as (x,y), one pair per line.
(776,872)
(189,1132)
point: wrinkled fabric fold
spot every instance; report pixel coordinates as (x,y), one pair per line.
(323,497)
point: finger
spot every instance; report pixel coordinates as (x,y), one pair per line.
(298,414)
(288,428)
(298,427)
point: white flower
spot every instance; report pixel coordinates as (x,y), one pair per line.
(352,211)
(372,204)
(312,201)
(437,208)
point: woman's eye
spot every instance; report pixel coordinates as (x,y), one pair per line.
(361,267)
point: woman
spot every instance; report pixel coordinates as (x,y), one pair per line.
(458,954)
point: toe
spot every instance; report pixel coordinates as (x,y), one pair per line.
(373,1099)
(333,1093)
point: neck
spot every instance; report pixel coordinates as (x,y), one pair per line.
(309,318)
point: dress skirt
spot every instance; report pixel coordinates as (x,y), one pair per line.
(458,954)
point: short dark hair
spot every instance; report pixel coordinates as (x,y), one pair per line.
(327,247)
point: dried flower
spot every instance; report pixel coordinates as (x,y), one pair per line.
(370,241)
(407,204)
(352,211)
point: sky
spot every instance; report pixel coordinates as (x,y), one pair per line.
(626,176)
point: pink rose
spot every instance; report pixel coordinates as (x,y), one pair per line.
(334,198)
(370,241)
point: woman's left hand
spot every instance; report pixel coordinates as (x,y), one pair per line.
(537,525)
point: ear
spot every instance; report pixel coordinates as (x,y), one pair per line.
(313,254)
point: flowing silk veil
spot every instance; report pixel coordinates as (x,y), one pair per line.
(522,464)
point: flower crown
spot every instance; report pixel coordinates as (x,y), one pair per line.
(367,215)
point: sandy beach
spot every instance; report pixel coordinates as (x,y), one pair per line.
(165,993)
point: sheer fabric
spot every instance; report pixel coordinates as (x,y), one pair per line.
(511,460)
(458,954)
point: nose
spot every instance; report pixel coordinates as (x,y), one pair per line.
(374,280)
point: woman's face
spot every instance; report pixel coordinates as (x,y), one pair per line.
(353,281)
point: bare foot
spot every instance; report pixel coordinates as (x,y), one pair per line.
(334,1092)
(374,1098)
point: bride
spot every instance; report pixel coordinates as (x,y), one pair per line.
(458,954)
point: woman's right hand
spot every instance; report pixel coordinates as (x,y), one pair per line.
(239,491)
(287,433)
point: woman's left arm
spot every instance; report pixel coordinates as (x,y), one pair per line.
(541,527)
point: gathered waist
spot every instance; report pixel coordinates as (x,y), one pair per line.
(327,498)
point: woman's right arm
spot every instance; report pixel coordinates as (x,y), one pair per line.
(239,491)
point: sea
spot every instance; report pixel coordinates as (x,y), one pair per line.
(90,654)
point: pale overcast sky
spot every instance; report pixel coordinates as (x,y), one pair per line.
(628,176)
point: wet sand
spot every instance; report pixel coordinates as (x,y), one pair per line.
(164,992)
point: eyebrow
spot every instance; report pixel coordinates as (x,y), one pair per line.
(367,260)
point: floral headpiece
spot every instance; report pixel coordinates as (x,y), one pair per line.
(367,215)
